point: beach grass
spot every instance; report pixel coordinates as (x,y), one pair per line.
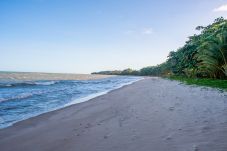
(214,83)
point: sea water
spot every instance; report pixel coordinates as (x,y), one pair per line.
(20,100)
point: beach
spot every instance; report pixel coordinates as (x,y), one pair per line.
(153,114)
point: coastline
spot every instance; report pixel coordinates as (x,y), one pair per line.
(73,103)
(142,116)
(76,101)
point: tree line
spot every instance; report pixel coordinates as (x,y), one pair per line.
(204,55)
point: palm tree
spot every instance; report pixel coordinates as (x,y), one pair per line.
(212,54)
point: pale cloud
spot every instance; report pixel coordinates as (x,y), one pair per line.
(147,31)
(144,31)
(222,8)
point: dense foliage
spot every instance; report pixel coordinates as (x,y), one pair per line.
(203,55)
(119,72)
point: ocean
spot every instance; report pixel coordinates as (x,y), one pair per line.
(20,100)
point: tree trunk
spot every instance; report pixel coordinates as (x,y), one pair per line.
(225,69)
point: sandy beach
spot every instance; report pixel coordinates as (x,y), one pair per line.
(153,114)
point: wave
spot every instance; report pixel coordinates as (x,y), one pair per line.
(46,82)
(27,83)
(28,95)
(21,96)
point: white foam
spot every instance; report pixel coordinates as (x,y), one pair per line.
(89,97)
(46,83)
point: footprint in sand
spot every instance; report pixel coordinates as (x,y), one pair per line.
(171,108)
(106,136)
(88,125)
(205,121)
(169,137)
(205,129)
(179,129)
(195,148)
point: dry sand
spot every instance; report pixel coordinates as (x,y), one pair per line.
(150,115)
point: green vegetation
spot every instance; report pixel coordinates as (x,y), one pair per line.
(203,56)
(215,83)
(119,72)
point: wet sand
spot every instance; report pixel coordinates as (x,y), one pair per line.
(150,115)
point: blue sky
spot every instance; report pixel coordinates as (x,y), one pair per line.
(82,36)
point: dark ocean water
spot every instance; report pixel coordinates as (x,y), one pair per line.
(24,99)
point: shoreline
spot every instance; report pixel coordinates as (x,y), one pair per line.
(151,114)
(75,101)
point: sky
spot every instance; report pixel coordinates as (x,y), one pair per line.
(84,36)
